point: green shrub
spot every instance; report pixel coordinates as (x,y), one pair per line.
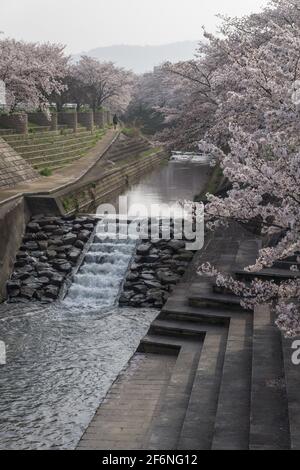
(130,131)
(46,171)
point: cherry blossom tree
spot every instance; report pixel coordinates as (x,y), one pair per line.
(31,72)
(96,83)
(261,115)
(242,104)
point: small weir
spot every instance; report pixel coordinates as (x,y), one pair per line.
(99,279)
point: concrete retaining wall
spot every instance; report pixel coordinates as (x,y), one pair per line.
(87,197)
(13,168)
(13,219)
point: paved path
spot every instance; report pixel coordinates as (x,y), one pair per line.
(65,176)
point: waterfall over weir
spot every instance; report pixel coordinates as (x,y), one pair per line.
(99,279)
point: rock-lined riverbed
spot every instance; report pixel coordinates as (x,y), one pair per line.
(157,266)
(51,248)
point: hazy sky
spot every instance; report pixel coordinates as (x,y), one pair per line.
(85,24)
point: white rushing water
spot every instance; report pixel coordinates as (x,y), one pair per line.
(191,158)
(99,279)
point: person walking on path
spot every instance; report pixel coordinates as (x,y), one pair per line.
(115,121)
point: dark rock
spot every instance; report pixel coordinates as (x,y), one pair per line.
(132,277)
(30,246)
(147,277)
(58,231)
(51,254)
(11,285)
(65,267)
(80,220)
(153,284)
(43,244)
(50,228)
(176,244)
(69,239)
(57,279)
(51,292)
(29,237)
(84,235)
(37,253)
(74,255)
(42,266)
(151,258)
(79,244)
(33,227)
(61,256)
(20,263)
(167,278)
(140,288)
(55,242)
(21,255)
(27,292)
(46,273)
(89,227)
(143,249)
(41,236)
(125,297)
(14,293)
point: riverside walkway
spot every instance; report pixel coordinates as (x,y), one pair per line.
(64,177)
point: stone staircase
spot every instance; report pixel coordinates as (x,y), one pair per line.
(53,149)
(127,147)
(230,383)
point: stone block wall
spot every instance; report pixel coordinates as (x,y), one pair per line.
(13,219)
(18,122)
(41,119)
(86,119)
(99,118)
(13,168)
(69,119)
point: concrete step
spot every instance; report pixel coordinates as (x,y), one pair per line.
(268,274)
(283,264)
(20,138)
(164,432)
(269,424)
(232,421)
(57,163)
(214,299)
(199,422)
(42,143)
(164,327)
(35,161)
(69,144)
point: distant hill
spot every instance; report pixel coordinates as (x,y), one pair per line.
(142,59)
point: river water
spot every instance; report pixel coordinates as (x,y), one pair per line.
(62,358)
